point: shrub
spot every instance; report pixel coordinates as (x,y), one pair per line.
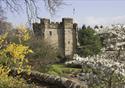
(13,55)
(10,82)
(43,54)
(90,42)
(20,34)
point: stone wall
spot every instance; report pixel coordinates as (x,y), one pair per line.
(51,36)
(57,81)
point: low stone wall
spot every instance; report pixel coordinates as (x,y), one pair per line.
(40,78)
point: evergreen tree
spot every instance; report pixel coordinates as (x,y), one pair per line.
(90,43)
(83,27)
(96,26)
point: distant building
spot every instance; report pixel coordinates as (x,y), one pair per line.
(62,36)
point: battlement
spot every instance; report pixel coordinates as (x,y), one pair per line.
(44,21)
(54,25)
(66,23)
(67,20)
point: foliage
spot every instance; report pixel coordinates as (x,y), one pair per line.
(13,55)
(17,53)
(22,33)
(5,26)
(89,42)
(43,55)
(10,82)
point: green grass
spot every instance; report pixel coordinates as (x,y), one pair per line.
(62,70)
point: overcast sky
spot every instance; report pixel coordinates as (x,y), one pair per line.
(89,12)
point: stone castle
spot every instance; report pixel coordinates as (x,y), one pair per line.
(60,35)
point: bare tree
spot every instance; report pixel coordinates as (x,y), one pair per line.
(31,6)
(4,26)
(2,16)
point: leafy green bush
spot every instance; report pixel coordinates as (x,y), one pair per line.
(90,43)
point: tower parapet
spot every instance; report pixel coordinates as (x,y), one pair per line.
(37,30)
(45,22)
(67,23)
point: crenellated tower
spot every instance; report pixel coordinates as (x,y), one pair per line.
(61,35)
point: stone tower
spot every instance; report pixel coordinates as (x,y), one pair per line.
(61,36)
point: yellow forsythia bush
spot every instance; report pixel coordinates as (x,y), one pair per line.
(22,33)
(13,55)
(10,82)
(17,54)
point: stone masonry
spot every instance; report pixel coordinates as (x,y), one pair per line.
(60,35)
